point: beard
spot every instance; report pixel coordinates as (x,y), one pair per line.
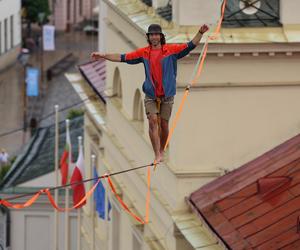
(155,42)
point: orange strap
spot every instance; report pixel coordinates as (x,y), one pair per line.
(126,208)
(158,104)
(176,118)
(50,198)
(87,196)
(200,68)
(219,25)
(198,74)
(28,203)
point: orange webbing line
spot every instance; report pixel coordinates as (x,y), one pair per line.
(217,31)
(87,196)
(200,65)
(186,93)
(28,203)
(137,218)
(198,74)
(176,118)
(33,199)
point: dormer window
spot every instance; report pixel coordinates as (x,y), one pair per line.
(252,13)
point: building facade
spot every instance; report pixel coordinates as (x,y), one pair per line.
(245,103)
(67,13)
(10,31)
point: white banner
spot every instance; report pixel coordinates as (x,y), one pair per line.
(48,37)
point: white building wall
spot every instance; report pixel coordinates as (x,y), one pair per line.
(195,12)
(102,26)
(33,228)
(289,12)
(8,9)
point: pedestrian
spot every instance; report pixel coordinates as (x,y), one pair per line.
(3,157)
(160,62)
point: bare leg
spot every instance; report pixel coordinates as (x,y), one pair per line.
(154,136)
(164,135)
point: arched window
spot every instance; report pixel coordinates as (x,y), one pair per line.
(138,107)
(117,84)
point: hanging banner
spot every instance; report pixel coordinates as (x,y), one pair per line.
(48,37)
(32,81)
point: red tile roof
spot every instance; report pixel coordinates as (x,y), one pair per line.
(257,206)
(95,75)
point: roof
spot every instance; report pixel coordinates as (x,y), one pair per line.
(196,233)
(140,16)
(37,158)
(95,74)
(257,205)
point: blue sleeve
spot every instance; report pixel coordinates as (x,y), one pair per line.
(132,57)
(186,51)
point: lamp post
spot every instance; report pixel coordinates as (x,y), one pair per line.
(23,59)
(42,20)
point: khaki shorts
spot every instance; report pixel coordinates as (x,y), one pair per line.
(165,106)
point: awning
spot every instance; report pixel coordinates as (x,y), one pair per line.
(95,74)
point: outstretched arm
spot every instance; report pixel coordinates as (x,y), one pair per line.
(111,57)
(199,34)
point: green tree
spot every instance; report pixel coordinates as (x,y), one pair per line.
(35,11)
(73,113)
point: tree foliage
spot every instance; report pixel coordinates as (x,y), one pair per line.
(34,8)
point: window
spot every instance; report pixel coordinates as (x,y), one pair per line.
(5,36)
(138,108)
(116,221)
(80,7)
(117,84)
(252,13)
(11,31)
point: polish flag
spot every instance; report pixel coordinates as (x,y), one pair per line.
(64,161)
(77,176)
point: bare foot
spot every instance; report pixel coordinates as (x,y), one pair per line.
(162,156)
(158,158)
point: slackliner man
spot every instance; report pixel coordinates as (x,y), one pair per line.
(160,62)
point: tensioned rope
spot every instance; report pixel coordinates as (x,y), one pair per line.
(47,191)
(197,72)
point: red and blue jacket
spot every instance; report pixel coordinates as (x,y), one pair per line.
(171,53)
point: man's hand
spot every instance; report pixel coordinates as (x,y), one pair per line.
(96,56)
(110,57)
(203,29)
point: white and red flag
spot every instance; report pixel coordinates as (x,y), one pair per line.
(64,160)
(77,178)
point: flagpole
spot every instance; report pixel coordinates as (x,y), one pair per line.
(78,228)
(55,243)
(93,207)
(107,198)
(79,209)
(67,195)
